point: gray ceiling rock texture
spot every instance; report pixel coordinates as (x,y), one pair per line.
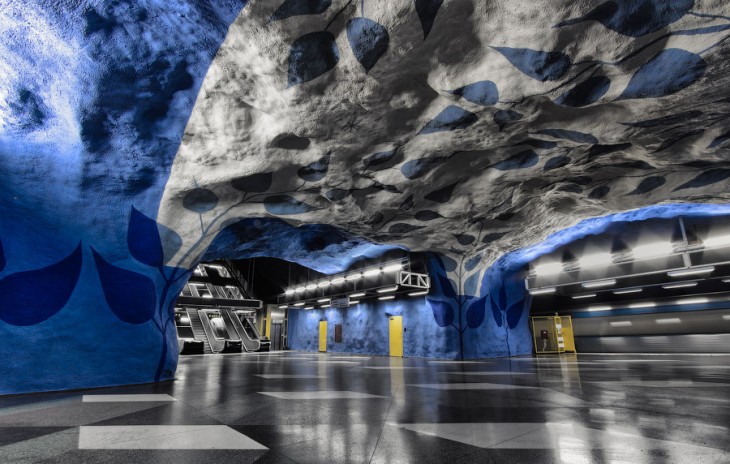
(455,125)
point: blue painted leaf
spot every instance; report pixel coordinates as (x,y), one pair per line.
(448,288)
(300,7)
(706,178)
(600,150)
(514,314)
(403,228)
(476,311)
(573,136)
(544,144)
(666,120)
(540,65)
(472,262)
(200,200)
(419,167)
(668,72)
(636,164)
(312,55)
(379,158)
(256,183)
(585,93)
(556,162)
(496,313)
(368,40)
(336,194)
(315,171)
(31,297)
(482,93)
(283,205)
(450,119)
(521,160)
(678,138)
(489,238)
(407,204)
(502,298)
(635,18)
(442,195)
(2,257)
(427,215)
(504,117)
(385,187)
(171,240)
(471,283)
(599,192)
(427,11)
(443,313)
(449,264)
(130,296)
(143,239)
(648,184)
(719,140)
(465,239)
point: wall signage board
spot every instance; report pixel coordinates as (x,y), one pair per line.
(340,302)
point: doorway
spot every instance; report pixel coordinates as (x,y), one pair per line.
(395,324)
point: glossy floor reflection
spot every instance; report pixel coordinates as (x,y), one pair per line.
(317,408)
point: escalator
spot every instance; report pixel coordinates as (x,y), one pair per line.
(222,337)
(250,342)
(249,327)
(187,342)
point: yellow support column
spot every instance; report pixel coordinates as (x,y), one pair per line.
(322,336)
(396,336)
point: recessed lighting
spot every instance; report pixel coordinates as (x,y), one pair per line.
(390,297)
(424,292)
(323,284)
(299,289)
(393,267)
(354,302)
(323,300)
(541,291)
(325,306)
(691,271)
(686,301)
(652,250)
(669,320)
(311,286)
(585,295)
(309,307)
(283,306)
(726,317)
(357,294)
(547,269)
(726,280)
(599,283)
(645,304)
(598,308)
(289,291)
(371,272)
(679,285)
(627,290)
(387,289)
(352,277)
(207,295)
(595,260)
(717,241)
(338,280)
(298,304)
(620,323)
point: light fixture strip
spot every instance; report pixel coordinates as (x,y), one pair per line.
(389,297)
(691,271)
(627,291)
(387,289)
(679,285)
(541,291)
(599,283)
(585,295)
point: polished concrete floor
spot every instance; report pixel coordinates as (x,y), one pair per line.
(316,408)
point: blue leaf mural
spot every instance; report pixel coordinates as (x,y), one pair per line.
(504,117)
(442,195)
(200,200)
(130,296)
(368,40)
(635,18)
(427,215)
(472,262)
(677,138)
(573,136)
(542,144)
(143,239)
(315,171)
(2,257)
(443,313)
(600,149)
(255,183)
(678,118)
(476,311)
(521,160)
(668,72)
(379,158)
(719,140)
(648,184)
(447,287)
(419,167)
(471,283)
(465,239)
(556,162)
(427,11)
(709,177)
(336,194)
(496,312)
(599,192)
(514,314)
(585,93)
(402,228)
(284,205)
(31,297)
(482,93)
(300,7)
(451,118)
(540,65)
(407,204)
(312,55)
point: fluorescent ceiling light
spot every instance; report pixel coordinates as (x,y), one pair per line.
(298,304)
(585,295)
(390,297)
(685,301)
(289,291)
(197,284)
(726,317)
(598,308)
(338,280)
(207,295)
(669,320)
(596,260)
(283,306)
(299,289)
(679,285)
(323,300)
(371,272)
(424,292)
(355,295)
(726,280)
(325,306)
(309,307)
(599,283)
(627,290)
(393,267)
(547,269)
(620,323)
(691,271)
(645,304)
(311,286)
(353,277)
(541,291)
(323,284)
(387,289)
(652,250)
(354,302)
(716,241)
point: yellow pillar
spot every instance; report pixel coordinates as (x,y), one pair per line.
(396,335)
(322,336)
